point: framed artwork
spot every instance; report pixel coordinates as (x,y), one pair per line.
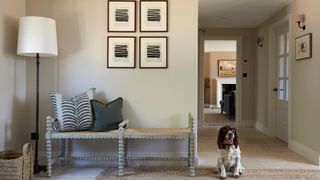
(154,16)
(121,16)
(304,47)
(153,52)
(227,68)
(121,52)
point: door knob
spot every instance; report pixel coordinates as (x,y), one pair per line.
(275,89)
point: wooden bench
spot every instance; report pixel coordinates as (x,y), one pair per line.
(123,135)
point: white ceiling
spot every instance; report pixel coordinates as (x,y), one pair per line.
(237,13)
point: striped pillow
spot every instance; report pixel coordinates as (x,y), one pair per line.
(73,113)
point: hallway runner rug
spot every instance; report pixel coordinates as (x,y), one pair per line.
(174,173)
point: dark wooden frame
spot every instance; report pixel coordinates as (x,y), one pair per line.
(167,18)
(310,45)
(219,67)
(135,14)
(153,37)
(134,52)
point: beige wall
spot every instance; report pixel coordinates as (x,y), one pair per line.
(247,38)
(304,90)
(152,97)
(14,129)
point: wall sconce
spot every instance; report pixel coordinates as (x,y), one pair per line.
(300,20)
(260,41)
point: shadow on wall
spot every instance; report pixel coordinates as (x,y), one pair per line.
(17,131)
(16,125)
(68,29)
(10,36)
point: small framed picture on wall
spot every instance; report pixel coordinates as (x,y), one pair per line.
(153,52)
(304,47)
(154,16)
(121,16)
(121,52)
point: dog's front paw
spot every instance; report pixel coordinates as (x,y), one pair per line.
(223,177)
(236,174)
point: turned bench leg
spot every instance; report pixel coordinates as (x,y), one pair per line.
(63,152)
(49,156)
(191,155)
(120,156)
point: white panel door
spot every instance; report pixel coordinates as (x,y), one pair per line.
(282,83)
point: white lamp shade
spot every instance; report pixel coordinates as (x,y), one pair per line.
(37,35)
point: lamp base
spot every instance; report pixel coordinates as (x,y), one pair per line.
(38,169)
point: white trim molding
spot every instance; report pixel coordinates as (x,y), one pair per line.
(305,151)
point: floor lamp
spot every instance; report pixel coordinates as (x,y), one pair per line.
(37,37)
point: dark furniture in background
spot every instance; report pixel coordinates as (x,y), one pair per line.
(228,100)
(228,104)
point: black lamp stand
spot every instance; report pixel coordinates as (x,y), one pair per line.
(35,135)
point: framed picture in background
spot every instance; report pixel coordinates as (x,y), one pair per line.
(121,52)
(121,16)
(227,68)
(153,52)
(304,47)
(154,16)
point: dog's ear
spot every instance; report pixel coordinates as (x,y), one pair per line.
(236,138)
(220,139)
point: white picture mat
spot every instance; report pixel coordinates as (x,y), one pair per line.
(145,61)
(153,26)
(121,26)
(121,62)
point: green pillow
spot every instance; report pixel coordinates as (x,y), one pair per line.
(106,116)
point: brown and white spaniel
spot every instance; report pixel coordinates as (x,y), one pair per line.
(229,159)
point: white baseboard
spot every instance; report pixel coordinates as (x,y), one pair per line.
(305,151)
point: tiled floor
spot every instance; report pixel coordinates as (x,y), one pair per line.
(258,152)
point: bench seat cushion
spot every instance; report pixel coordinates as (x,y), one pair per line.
(86,135)
(157,133)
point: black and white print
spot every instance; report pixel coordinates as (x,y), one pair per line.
(121,16)
(153,16)
(153,52)
(121,52)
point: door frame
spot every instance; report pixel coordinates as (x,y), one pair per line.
(202,38)
(272,70)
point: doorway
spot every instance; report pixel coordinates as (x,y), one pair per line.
(220,84)
(282,79)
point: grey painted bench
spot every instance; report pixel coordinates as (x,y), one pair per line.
(123,135)
(77,135)
(163,134)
